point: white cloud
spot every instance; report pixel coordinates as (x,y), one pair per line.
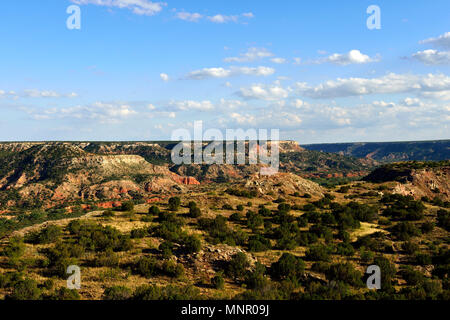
(433,57)
(139,7)
(164,77)
(218,18)
(99,111)
(351,57)
(297,60)
(442,41)
(251,55)
(436,95)
(187,16)
(278,60)
(233,71)
(390,83)
(34,93)
(264,92)
(189,105)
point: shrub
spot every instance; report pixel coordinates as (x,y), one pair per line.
(256,279)
(117,293)
(240,207)
(107,259)
(174,203)
(25,290)
(410,247)
(15,249)
(258,243)
(138,233)
(288,267)
(254,220)
(388,272)
(191,244)
(146,267)
(346,273)
(443,217)
(405,230)
(195,212)
(166,249)
(108,214)
(50,234)
(236,217)
(172,269)
(218,282)
(64,294)
(127,206)
(154,211)
(318,253)
(238,265)
(427,227)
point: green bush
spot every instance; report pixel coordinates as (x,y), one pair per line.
(318,253)
(146,267)
(64,294)
(238,265)
(127,206)
(25,290)
(346,273)
(174,203)
(195,212)
(288,267)
(191,244)
(218,282)
(117,293)
(154,211)
(14,249)
(166,249)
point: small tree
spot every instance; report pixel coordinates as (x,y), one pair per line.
(127,206)
(238,266)
(154,210)
(288,267)
(174,203)
(195,212)
(218,282)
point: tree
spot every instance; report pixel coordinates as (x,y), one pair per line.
(174,203)
(238,266)
(195,212)
(127,206)
(154,211)
(218,282)
(288,267)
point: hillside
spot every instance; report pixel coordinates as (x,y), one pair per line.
(389,151)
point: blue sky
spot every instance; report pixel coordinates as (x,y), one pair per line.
(139,69)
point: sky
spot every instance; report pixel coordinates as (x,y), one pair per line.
(138,70)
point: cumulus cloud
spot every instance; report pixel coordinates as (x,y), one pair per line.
(264,92)
(442,41)
(433,57)
(225,73)
(164,77)
(252,54)
(390,83)
(351,57)
(139,7)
